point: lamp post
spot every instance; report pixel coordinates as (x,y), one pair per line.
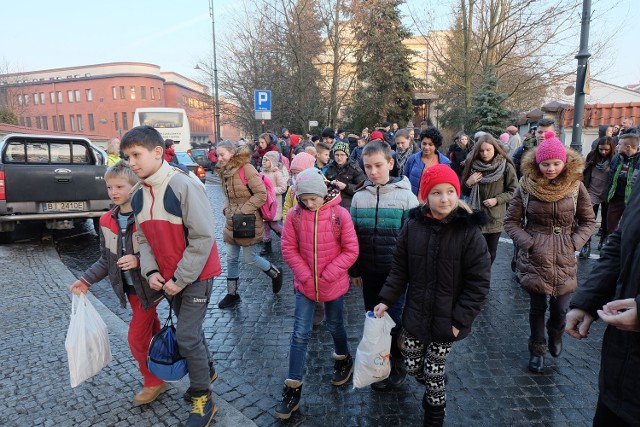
(214,76)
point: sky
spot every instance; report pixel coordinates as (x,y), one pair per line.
(176,35)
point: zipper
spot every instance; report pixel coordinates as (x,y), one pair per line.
(315,253)
(555,254)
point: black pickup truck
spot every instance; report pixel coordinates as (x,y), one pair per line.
(55,179)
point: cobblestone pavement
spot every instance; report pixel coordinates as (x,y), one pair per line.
(488,384)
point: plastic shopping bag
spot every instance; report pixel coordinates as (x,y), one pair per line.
(87,341)
(372,358)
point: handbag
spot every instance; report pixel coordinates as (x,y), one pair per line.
(244,225)
(164,359)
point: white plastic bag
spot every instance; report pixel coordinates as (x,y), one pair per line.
(87,341)
(372,358)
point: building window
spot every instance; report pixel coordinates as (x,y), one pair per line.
(122,92)
(133,92)
(70,95)
(20,100)
(115,93)
(80,126)
(77,92)
(29,122)
(153,92)
(159,94)
(21,121)
(38,124)
(72,120)
(115,120)
(42,98)
(143,92)
(45,123)
(62,126)
(54,120)
(125,122)
(59,97)
(89,94)
(92,125)
(36,99)
(52,95)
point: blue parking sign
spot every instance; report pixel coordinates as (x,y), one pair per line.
(262,100)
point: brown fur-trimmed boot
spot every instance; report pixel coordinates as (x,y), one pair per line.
(536,360)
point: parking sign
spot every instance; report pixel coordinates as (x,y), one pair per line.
(262,100)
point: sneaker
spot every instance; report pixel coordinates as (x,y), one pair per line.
(202,411)
(212,374)
(342,369)
(149,394)
(398,372)
(229,301)
(290,401)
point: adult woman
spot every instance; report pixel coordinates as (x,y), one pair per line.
(241,198)
(489,180)
(405,147)
(458,152)
(266,143)
(418,163)
(344,173)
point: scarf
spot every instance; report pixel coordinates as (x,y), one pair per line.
(403,156)
(491,172)
(549,191)
(616,175)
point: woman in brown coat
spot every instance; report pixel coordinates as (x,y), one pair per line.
(241,198)
(549,218)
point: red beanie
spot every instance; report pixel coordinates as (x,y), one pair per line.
(438,174)
(376,134)
(551,148)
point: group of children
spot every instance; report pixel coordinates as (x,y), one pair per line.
(427,263)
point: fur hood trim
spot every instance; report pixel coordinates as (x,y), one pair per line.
(572,171)
(241,158)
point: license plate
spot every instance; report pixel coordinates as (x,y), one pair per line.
(64,206)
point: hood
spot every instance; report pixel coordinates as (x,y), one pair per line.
(294,140)
(394,183)
(241,158)
(602,130)
(461,216)
(572,171)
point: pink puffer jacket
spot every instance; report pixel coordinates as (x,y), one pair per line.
(320,247)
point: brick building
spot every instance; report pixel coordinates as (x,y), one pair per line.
(101,99)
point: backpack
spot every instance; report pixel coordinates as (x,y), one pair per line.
(164,359)
(270,208)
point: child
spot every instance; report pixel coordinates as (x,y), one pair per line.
(319,244)
(442,263)
(356,153)
(274,170)
(323,156)
(622,174)
(596,180)
(301,162)
(549,218)
(344,173)
(120,261)
(379,210)
(178,253)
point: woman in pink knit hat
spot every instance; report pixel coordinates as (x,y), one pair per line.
(549,218)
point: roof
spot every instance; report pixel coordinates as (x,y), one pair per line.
(7,129)
(604,114)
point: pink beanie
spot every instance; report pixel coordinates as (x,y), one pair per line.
(551,148)
(504,138)
(301,162)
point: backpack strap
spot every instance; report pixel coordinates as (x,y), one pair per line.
(243,178)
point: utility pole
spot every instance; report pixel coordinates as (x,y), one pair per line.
(581,75)
(217,135)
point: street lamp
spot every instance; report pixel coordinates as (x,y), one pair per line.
(214,77)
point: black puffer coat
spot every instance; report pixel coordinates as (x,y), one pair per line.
(447,267)
(615,276)
(350,174)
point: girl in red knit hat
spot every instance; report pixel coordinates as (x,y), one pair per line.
(549,218)
(443,266)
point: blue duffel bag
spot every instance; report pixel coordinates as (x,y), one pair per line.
(164,359)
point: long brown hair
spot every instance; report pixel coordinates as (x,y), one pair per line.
(475,154)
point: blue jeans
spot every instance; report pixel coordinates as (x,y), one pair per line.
(302,325)
(251,256)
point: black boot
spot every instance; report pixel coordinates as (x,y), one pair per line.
(342,369)
(555,340)
(536,360)
(232,297)
(433,415)
(276,278)
(266,248)
(586,250)
(290,399)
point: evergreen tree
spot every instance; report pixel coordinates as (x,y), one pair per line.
(8,116)
(488,112)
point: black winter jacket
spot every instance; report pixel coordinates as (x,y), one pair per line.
(445,268)
(349,174)
(457,155)
(615,276)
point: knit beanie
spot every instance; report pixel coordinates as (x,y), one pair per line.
(341,146)
(328,133)
(311,182)
(504,138)
(294,140)
(551,148)
(438,174)
(301,162)
(376,134)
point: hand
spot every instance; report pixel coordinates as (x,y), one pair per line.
(490,202)
(127,262)
(356,281)
(156,281)
(473,179)
(170,288)
(623,314)
(78,287)
(456,331)
(579,317)
(339,184)
(379,309)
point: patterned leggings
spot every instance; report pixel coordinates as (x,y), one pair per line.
(426,363)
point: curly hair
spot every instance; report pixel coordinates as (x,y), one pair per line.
(433,134)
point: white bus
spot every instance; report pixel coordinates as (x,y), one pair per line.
(172,123)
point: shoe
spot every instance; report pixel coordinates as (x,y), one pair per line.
(383,385)
(276,278)
(149,394)
(203,410)
(433,415)
(555,340)
(398,372)
(290,401)
(342,369)
(585,251)
(603,240)
(537,351)
(266,248)
(232,297)
(213,376)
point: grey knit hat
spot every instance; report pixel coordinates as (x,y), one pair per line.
(311,182)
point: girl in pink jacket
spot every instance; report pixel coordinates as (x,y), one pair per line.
(319,243)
